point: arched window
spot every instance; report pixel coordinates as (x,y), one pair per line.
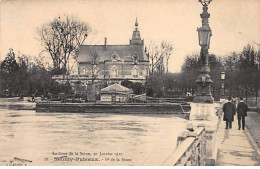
(85,71)
(135,72)
(115,56)
(114,72)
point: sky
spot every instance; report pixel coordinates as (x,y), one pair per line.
(234,23)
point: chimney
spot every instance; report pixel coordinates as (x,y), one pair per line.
(105,43)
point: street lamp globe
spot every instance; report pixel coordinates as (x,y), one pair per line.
(204,34)
(222,75)
(204,81)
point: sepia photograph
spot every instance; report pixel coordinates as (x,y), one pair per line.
(129,83)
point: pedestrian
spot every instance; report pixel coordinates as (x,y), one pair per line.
(229,111)
(242,109)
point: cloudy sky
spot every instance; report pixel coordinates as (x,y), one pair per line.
(234,23)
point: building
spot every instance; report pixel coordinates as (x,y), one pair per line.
(110,63)
(115,62)
(115,93)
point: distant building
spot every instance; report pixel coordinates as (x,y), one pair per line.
(115,93)
(114,63)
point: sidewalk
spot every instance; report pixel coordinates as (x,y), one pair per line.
(236,147)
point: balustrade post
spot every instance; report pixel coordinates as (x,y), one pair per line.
(204,115)
(190,149)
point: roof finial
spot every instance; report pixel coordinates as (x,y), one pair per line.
(136,38)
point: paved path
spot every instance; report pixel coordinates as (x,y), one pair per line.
(236,147)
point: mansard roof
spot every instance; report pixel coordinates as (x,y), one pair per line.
(125,52)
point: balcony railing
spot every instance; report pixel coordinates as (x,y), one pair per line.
(86,77)
(65,77)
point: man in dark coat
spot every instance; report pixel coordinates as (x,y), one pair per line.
(229,111)
(241,113)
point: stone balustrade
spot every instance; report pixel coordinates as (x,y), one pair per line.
(197,145)
(190,151)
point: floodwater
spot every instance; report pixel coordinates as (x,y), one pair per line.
(30,138)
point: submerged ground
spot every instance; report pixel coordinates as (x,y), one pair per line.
(86,139)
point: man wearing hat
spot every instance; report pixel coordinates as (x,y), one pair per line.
(229,110)
(242,109)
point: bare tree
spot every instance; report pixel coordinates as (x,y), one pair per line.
(167,48)
(153,52)
(61,38)
(25,61)
(159,56)
(93,66)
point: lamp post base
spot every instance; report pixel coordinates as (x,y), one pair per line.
(203,99)
(204,115)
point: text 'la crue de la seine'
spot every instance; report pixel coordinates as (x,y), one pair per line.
(87,156)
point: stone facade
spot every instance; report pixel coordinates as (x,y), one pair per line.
(115,62)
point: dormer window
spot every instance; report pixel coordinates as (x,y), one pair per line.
(135,72)
(115,56)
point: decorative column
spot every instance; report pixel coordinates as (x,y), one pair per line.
(203,110)
(204,81)
(222,85)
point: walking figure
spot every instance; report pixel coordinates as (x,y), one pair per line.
(242,109)
(229,111)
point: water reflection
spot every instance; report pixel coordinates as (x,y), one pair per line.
(145,139)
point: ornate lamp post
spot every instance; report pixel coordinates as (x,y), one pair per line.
(203,112)
(204,32)
(222,84)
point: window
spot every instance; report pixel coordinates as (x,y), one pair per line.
(115,56)
(135,72)
(96,69)
(114,72)
(84,71)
